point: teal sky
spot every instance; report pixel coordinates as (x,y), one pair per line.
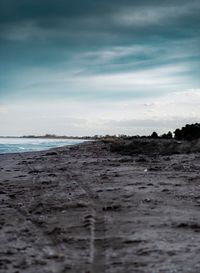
(95,67)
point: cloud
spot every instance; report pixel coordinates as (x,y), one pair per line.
(160,124)
(119,60)
(78,117)
(106,21)
(156,15)
(118,86)
(3,110)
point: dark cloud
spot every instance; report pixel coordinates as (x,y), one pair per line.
(62,18)
(12,11)
(95,37)
(77,24)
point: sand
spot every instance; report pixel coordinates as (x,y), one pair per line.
(84,209)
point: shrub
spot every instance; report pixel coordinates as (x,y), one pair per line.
(188,132)
(167,136)
(154,135)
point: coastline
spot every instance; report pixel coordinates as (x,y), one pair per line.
(21,145)
(82,208)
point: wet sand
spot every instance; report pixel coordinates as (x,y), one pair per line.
(84,209)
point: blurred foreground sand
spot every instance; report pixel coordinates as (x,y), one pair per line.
(84,209)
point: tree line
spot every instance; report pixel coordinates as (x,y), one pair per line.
(187,132)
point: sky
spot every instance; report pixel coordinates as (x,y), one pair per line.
(86,67)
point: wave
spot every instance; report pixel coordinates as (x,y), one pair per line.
(16,145)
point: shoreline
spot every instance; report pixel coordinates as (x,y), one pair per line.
(45,149)
(81,208)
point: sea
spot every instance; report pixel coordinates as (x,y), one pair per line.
(20,145)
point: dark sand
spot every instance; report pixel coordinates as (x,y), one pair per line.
(85,209)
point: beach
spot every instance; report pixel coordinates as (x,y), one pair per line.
(85,209)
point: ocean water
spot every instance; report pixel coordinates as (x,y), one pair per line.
(16,145)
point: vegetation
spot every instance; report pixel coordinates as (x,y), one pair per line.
(188,132)
(49,136)
(154,135)
(167,136)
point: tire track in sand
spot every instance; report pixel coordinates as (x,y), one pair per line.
(97,227)
(96,220)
